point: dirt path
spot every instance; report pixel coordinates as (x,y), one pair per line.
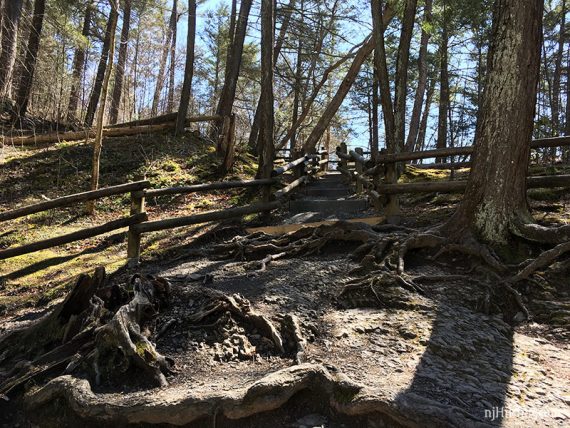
(421,360)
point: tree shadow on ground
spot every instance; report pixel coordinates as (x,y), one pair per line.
(465,370)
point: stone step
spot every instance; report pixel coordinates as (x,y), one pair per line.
(329,192)
(328,206)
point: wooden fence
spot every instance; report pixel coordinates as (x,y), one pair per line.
(380,177)
(138,222)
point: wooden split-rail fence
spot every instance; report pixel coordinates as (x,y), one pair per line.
(379,178)
(138,222)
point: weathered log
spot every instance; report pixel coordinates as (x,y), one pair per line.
(171,223)
(290,187)
(282,169)
(357,157)
(454,165)
(75,198)
(222,185)
(72,237)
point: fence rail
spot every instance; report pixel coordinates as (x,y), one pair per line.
(138,222)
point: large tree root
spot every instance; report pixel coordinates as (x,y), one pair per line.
(270,393)
(82,335)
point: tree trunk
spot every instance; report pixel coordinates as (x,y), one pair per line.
(29,66)
(102,67)
(188,69)
(345,86)
(98,142)
(421,141)
(296,88)
(172,73)
(402,73)
(443,93)
(422,80)
(266,134)
(555,101)
(163,59)
(79,65)
(226,101)
(11,12)
(276,51)
(495,197)
(120,71)
(375,138)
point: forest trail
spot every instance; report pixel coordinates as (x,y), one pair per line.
(328,197)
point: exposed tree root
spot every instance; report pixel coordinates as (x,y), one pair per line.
(326,384)
(291,323)
(542,261)
(81,334)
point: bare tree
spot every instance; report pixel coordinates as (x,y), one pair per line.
(11,12)
(29,66)
(188,69)
(79,64)
(121,62)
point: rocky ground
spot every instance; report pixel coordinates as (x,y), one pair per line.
(431,359)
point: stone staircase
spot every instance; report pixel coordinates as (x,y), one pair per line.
(328,197)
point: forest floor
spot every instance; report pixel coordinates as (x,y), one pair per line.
(409,359)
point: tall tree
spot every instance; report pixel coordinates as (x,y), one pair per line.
(495,199)
(121,62)
(172,69)
(98,142)
(267,109)
(11,12)
(555,100)
(79,63)
(102,67)
(442,120)
(422,78)
(226,101)
(29,67)
(163,59)
(188,69)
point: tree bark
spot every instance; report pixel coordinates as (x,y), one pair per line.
(98,143)
(79,65)
(226,101)
(443,92)
(29,66)
(422,80)
(188,69)
(555,101)
(345,86)
(254,133)
(102,67)
(266,154)
(121,61)
(421,141)
(375,118)
(495,197)
(11,12)
(172,70)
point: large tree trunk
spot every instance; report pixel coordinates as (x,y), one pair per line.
(79,64)
(226,101)
(345,86)
(296,88)
(276,51)
(188,70)
(121,61)
(422,80)
(266,134)
(555,101)
(375,118)
(98,143)
(29,67)
(443,93)
(421,141)
(102,67)
(11,12)
(495,197)
(172,70)
(164,58)
(402,73)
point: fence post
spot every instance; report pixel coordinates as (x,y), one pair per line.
(359,167)
(134,238)
(393,204)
